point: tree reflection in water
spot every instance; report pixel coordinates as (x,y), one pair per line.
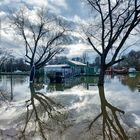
(111,126)
(3,97)
(41,109)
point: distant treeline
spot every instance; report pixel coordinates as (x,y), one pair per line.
(132,59)
(14,64)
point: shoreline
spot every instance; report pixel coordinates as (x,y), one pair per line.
(15,73)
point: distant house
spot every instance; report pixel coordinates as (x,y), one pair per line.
(63,69)
(131,70)
(78,68)
(17,71)
(72,68)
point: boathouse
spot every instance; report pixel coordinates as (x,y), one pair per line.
(77,68)
(71,69)
(63,69)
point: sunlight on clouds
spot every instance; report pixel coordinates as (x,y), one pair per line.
(77,49)
(77,18)
(2,14)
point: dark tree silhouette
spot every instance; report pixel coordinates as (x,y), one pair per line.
(115,20)
(43,35)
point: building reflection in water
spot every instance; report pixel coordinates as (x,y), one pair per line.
(86,82)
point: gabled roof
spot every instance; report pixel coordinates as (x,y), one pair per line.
(77,63)
(57,66)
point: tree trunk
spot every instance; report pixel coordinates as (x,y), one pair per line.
(102,70)
(101,77)
(32,74)
(32,90)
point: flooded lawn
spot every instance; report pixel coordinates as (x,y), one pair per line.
(74,110)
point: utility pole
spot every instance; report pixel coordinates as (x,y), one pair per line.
(11,79)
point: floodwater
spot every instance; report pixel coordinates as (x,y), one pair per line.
(74,110)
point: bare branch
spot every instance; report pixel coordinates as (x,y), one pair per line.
(93,46)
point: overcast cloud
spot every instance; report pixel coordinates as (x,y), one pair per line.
(73,11)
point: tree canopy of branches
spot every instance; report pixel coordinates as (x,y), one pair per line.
(115,20)
(43,35)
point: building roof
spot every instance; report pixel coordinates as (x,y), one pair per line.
(77,63)
(58,66)
(70,62)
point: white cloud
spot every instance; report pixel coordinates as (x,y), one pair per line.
(2,14)
(77,18)
(59,3)
(77,49)
(39,3)
(53,5)
(56,6)
(31,2)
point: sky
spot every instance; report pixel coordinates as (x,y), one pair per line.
(72,10)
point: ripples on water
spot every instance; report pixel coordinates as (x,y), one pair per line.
(24,111)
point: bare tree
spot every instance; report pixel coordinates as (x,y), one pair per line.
(115,20)
(43,35)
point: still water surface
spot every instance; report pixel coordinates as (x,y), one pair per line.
(85,106)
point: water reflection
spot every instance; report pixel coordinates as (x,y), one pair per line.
(42,116)
(3,95)
(111,126)
(132,81)
(41,110)
(3,92)
(86,82)
(11,85)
